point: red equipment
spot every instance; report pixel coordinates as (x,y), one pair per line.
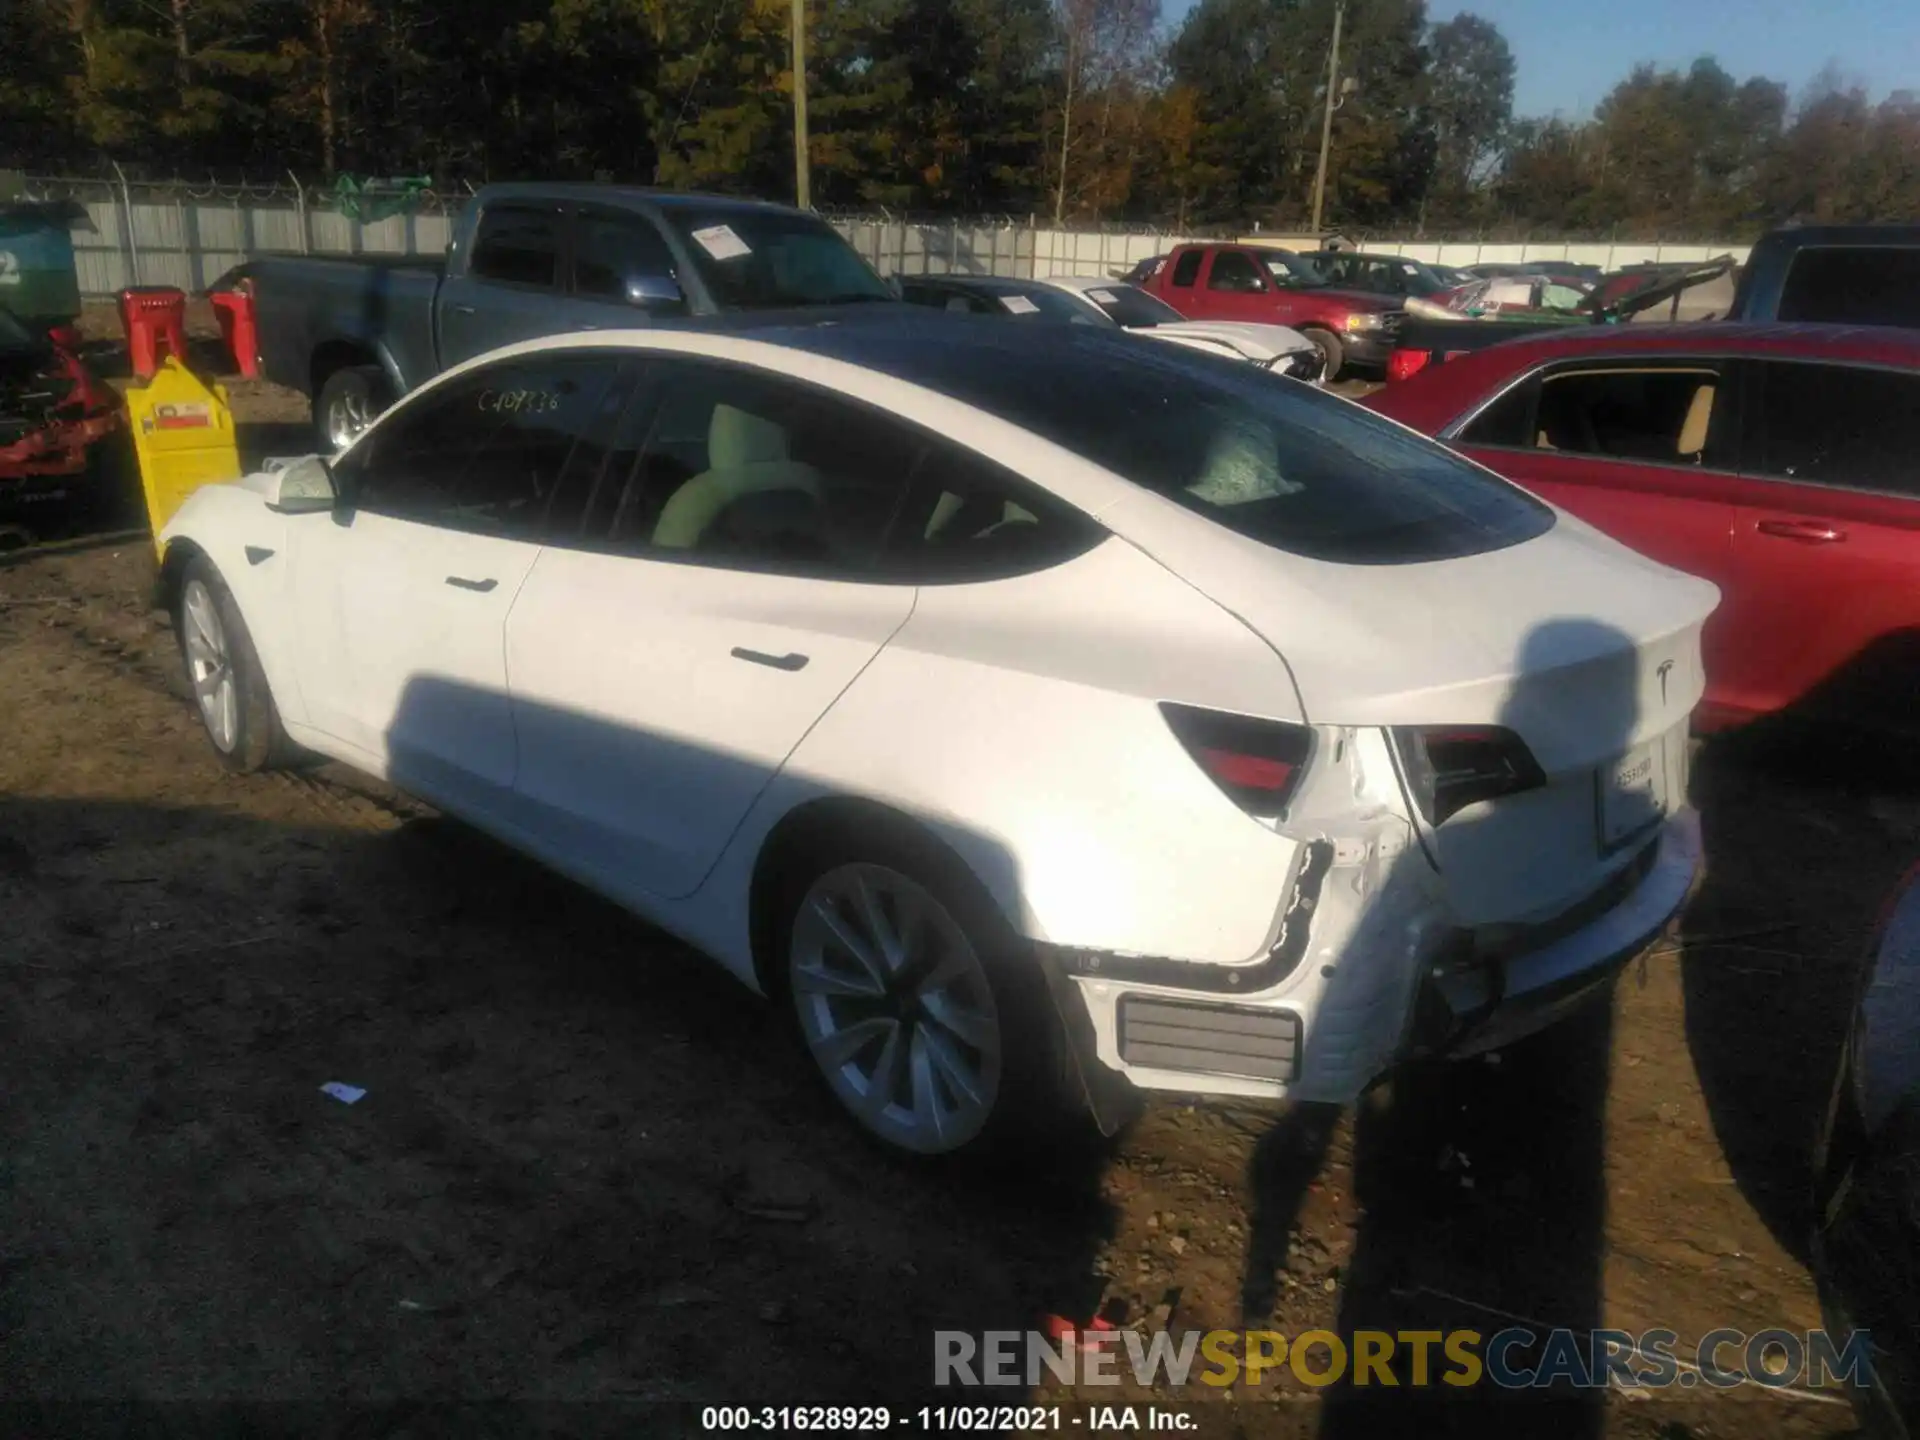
(153,316)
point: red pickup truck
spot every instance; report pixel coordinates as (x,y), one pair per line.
(1271,286)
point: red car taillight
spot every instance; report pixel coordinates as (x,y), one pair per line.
(1450,767)
(1257,763)
(1404,364)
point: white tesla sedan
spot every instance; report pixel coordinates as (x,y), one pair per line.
(1022,707)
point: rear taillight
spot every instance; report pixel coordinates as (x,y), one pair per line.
(1451,767)
(1405,364)
(1258,763)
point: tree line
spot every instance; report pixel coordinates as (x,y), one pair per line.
(1085,109)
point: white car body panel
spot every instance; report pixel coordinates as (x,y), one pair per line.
(1019,721)
(1243,340)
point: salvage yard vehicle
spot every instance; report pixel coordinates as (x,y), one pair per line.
(1441,327)
(55,417)
(1090,300)
(1866,1200)
(1009,701)
(532,260)
(1271,286)
(1394,275)
(1834,275)
(1780,462)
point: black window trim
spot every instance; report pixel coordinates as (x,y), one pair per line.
(562,282)
(1730,365)
(1758,380)
(646,388)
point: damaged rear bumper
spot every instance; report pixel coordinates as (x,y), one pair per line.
(1367,971)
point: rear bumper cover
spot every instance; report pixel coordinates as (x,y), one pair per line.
(1169,1025)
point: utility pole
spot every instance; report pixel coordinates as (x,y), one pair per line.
(802,179)
(1326,121)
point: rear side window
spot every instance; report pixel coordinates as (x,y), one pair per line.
(1839,425)
(1186,269)
(1658,414)
(517,247)
(969,520)
(1853,285)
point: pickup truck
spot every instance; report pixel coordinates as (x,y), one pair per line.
(1271,286)
(528,260)
(1833,274)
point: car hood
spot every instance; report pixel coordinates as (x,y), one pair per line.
(1250,341)
(1627,292)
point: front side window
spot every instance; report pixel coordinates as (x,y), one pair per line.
(733,467)
(515,246)
(610,250)
(484,453)
(773,259)
(1235,270)
(1626,412)
(1839,425)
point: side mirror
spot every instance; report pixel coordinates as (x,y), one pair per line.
(302,487)
(656,294)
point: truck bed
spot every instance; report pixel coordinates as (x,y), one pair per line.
(384,304)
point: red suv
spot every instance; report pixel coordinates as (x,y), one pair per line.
(1780,462)
(1270,286)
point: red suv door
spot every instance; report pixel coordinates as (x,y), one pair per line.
(1643,449)
(1826,547)
(1237,288)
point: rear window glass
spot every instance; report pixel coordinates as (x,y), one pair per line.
(1286,465)
(1854,285)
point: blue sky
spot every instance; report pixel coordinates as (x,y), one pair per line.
(1570,52)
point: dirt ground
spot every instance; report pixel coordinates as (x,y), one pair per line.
(589,1168)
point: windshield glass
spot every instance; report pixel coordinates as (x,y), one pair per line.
(1049,304)
(772,260)
(1291,272)
(1131,308)
(1286,465)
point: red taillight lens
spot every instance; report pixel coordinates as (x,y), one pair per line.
(67,337)
(1258,763)
(1404,364)
(1451,767)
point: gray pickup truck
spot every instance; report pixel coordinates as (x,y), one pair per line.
(530,260)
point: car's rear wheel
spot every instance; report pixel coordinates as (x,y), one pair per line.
(350,400)
(229,688)
(1332,353)
(927,1024)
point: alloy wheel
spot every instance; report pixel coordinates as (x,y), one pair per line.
(896,1008)
(210,666)
(348,416)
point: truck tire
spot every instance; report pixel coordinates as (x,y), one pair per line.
(1330,351)
(349,400)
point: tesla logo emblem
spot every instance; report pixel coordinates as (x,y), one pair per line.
(1665,669)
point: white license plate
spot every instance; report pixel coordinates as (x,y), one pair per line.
(1633,794)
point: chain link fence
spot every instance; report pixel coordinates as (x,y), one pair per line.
(183,234)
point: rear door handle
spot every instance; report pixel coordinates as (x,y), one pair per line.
(463,309)
(777,662)
(460,582)
(1807,532)
(586,327)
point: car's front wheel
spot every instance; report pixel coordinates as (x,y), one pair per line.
(927,1024)
(229,687)
(1333,354)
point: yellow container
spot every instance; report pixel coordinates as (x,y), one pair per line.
(183,438)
